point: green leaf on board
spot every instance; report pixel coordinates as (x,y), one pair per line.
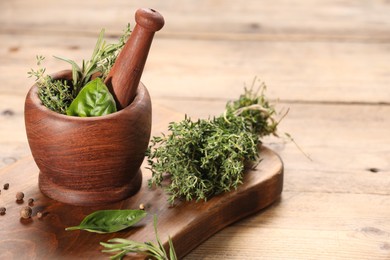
(109,221)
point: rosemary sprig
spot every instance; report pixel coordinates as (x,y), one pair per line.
(206,157)
(122,247)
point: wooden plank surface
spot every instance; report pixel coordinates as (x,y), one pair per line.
(328,61)
(331,70)
(198,17)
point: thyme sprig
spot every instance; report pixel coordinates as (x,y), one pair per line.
(58,94)
(207,157)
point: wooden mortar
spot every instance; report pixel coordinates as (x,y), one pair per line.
(89,160)
(96,160)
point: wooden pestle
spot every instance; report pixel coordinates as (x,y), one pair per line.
(125,75)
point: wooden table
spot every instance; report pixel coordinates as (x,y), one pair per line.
(327,61)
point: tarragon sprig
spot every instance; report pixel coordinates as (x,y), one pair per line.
(101,61)
(122,247)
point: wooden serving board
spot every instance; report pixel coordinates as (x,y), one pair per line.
(187,223)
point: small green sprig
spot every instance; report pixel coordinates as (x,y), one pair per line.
(254,106)
(102,59)
(56,95)
(122,247)
(207,157)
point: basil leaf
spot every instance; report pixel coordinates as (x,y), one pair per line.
(94,99)
(109,221)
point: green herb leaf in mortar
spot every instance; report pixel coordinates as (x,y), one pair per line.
(109,221)
(206,157)
(54,94)
(94,99)
(58,94)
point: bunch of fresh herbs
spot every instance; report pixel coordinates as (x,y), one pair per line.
(206,157)
(58,94)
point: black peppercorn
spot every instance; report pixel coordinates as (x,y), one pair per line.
(2,210)
(6,186)
(19,196)
(25,212)
(30,201)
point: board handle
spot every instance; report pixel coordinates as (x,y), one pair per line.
(125,75)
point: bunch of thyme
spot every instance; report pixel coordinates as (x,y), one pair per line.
(58,94)
(206,157)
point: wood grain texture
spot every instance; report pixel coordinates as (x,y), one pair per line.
(325,72)
(327,60)
(307,225)
(187,223)
(330,68)
(278,20)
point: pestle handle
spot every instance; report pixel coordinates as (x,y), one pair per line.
(125,75)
